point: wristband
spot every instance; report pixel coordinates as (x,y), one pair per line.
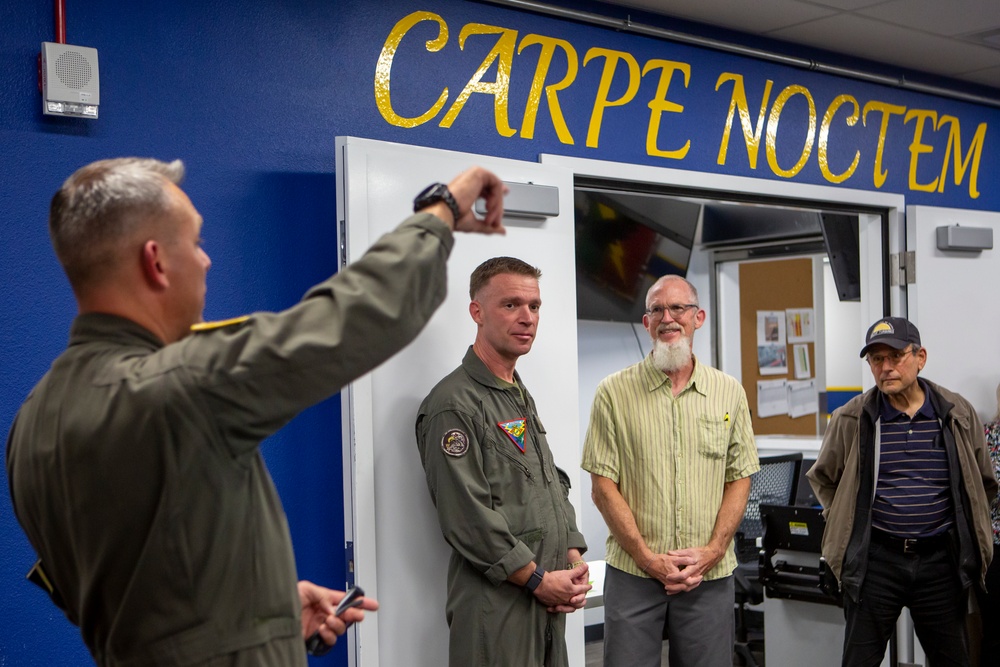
(434,193)
(535,579)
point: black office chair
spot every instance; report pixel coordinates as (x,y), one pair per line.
(774,484)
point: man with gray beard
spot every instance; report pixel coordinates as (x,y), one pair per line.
(670,451)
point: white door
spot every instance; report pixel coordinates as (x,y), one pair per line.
(400,556)
(954,305)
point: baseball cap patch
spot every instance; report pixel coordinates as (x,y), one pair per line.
(896,332)
(881,328)
(455,442)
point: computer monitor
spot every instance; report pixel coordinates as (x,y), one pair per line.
(793,528)
(804,495)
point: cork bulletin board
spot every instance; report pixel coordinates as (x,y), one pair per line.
(774,285)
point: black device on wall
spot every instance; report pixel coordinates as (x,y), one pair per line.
(624,242)
(841,236)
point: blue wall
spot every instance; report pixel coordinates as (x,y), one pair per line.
(251,96)
(242,93)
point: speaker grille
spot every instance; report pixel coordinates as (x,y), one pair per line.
(73,69)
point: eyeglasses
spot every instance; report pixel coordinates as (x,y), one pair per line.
(876,360)
(676,310)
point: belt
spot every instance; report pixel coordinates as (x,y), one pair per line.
(911,545)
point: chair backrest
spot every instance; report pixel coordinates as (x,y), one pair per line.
(774,484)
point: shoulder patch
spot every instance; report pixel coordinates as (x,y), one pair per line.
(455,442)
(218,324)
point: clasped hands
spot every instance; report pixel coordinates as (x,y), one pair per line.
(682,570)
(565,591)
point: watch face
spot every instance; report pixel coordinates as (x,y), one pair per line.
(430,195)
(434,193)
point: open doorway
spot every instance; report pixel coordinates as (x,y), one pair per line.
(767,261)
(615,340)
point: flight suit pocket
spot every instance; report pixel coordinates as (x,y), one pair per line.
(531,537)
(514,459)
(713,436)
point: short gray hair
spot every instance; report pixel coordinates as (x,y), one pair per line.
(101,205)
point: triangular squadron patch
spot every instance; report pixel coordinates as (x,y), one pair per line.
(515,430)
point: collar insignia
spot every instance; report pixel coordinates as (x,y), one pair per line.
(515,430)
(219,324)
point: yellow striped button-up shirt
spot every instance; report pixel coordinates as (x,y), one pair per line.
(670,456)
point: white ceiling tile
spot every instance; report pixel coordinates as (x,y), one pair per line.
(879,41)
(753,17)
(987,77)
(848,5)
(939,17)
(923,35)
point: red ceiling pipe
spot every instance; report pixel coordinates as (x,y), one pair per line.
(60,12)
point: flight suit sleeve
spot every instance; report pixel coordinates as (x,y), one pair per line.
(575,539)
(256,375)
(451,449)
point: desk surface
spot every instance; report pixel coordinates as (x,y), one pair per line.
(595,596)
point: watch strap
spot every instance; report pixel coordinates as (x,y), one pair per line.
(434,193)
(449,199)
(535,579)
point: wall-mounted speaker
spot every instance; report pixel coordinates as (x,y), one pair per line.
(70,80)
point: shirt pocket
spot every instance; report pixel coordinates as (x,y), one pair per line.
(511,459)
(713,437)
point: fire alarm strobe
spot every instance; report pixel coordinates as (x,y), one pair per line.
(70,80)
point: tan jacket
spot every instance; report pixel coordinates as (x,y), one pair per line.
(836,476)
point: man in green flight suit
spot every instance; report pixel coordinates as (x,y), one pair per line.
(134,465)
(516,567)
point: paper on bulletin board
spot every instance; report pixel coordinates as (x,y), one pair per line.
(800,325)
(772,353)
(800,354)
(772,359)
(770,327)
(803,399)
(772,398)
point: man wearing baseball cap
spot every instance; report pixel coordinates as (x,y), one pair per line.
(905,480)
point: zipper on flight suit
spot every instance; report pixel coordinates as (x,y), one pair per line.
(532,418)
(520,464)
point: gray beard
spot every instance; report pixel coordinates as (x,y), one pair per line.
(670,357)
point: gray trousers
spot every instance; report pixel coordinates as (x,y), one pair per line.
(636,610)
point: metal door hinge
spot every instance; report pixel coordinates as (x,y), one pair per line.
(349,562)
(343,243)
(903,268)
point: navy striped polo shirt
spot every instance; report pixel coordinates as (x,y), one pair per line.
(913,495)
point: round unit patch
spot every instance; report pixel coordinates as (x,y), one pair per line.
(455,442)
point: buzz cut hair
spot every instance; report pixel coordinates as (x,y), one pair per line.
(101,206)
(498,266)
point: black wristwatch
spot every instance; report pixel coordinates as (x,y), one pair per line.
(535,579)
(434,193)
